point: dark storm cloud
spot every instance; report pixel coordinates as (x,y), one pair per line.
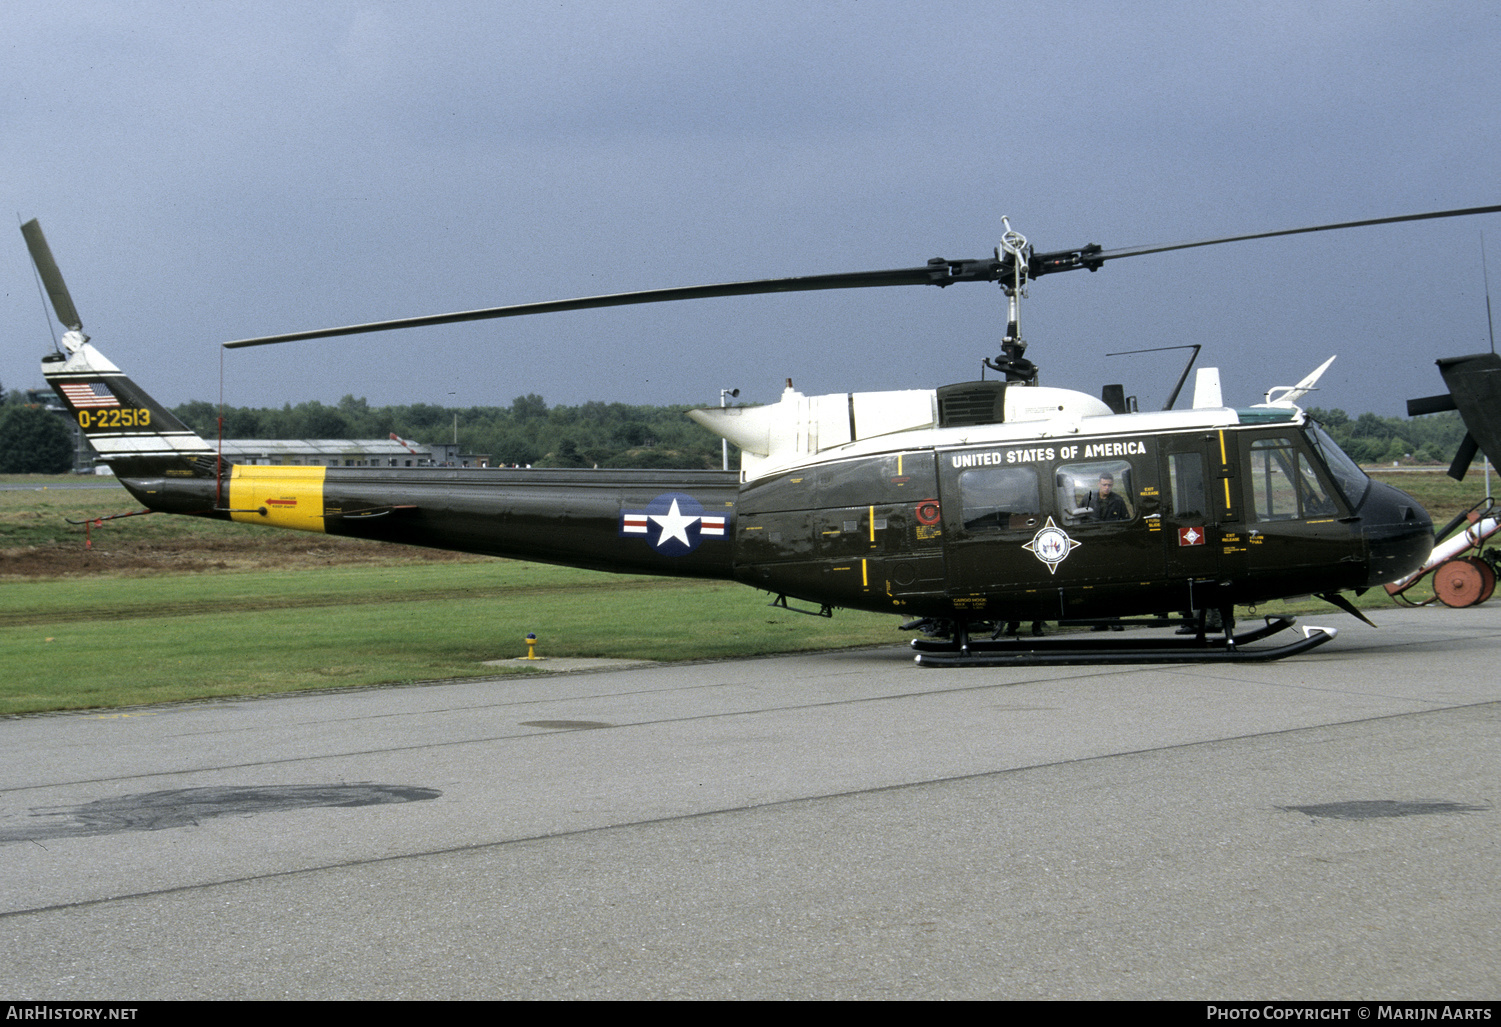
(207,172)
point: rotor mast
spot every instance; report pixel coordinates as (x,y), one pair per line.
(1013,254)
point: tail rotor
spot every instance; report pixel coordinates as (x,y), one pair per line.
(52,278)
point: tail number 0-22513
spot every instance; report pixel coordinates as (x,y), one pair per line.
(114,418)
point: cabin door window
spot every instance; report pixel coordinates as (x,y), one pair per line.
(1096,493)
(1000,498)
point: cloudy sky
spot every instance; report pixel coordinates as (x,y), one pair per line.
(210,171)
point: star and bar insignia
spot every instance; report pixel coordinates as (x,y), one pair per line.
(674,523)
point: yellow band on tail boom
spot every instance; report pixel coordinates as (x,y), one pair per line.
(292,497)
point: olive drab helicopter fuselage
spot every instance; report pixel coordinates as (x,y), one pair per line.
(961,508)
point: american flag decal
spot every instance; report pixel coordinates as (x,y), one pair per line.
(85,395)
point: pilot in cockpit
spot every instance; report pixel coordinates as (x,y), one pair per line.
(1106,504)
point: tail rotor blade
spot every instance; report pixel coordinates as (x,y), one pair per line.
(1463,457)
(52,278)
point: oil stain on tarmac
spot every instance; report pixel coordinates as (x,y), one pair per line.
(1372,809)
(183,807)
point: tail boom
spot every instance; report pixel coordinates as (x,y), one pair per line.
(677,523)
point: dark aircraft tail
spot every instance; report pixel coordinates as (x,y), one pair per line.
(131,432)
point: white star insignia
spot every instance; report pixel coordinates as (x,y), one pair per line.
(674,525)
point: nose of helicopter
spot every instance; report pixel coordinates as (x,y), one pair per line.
(1398,533)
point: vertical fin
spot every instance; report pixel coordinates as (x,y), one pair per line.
(133,433)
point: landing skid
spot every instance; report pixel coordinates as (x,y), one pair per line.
(1076,649)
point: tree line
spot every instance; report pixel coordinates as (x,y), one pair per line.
(1369,439)
(531,433)
(526,433)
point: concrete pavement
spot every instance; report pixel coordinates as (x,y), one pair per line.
(837,825)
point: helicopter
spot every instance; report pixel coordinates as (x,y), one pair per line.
(964,509)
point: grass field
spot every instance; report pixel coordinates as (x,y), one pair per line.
(74,643)
(165,608)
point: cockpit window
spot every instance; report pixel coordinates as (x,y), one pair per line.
(1284,485)
(1352,481)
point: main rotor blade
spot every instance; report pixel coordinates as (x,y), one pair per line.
(52,278)
(936,272)
(1137,251)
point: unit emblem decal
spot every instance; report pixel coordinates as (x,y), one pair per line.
(1051,545)
(1190,536)
(674,523)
